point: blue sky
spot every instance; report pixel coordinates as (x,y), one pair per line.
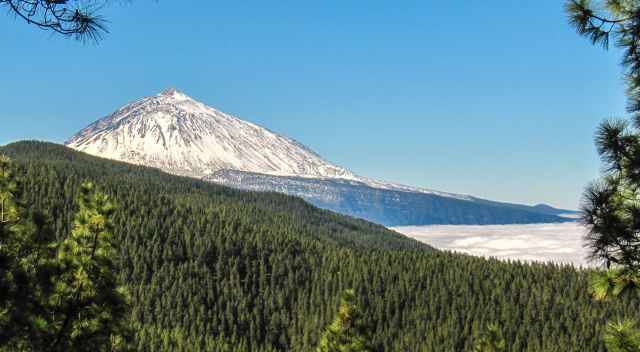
(498,99)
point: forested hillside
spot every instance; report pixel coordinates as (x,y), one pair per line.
(214,269)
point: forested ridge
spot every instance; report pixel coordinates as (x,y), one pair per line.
(214,269)
(387,206)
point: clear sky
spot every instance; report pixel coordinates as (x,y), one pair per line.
(494,98)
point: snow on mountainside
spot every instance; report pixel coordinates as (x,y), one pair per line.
(173,132)
(180,135)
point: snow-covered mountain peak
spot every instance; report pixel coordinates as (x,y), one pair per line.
(180,135)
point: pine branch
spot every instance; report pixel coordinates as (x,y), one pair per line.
(60,17)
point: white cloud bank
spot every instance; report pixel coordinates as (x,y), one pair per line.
(560,243)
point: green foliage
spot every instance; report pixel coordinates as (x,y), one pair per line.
(622,337)
(347,332)
(86,291)
(209,268)
(618,282)
(491,340)
(612,205)
(58,295)
(613,20)
(25,268)
(8,189)
(614,283)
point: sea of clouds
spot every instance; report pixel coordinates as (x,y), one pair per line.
(560,243)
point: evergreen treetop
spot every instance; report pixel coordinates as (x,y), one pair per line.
(611,207)
(347,332)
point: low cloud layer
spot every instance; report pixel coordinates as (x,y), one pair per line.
(560,243)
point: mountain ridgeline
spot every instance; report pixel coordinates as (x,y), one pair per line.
(179,135)
(387,206)
(210,268)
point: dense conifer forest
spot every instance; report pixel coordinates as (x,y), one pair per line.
(214,269)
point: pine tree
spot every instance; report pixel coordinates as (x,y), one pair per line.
(93,306)
(612,205)
(58,296)
(8,191)
(347,332)
(622,337)
(11,275)
(491,340)
(25,267)
(214,269)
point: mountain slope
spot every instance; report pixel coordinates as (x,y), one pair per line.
(210,268)
(177,134)
(182,136)
(385,206)
(309,220)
